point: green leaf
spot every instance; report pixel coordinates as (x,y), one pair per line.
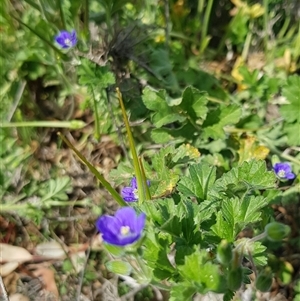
(123,173)
(216,120)
(201,178)
(158,102)
(114,250)
(185,153)
(291,111)
(256,249)
(222,229)
(236,213)
(119,267)
(208,279)
(55,189)
(182,291)
(191,106)
(249,175)
(292,130)
(95,75)
(156,254)
(161,136)
(194,103)
(249,210)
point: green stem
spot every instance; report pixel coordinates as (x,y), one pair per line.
(72,124)
(16,207)
(61,12)
(109,188)
(97,123)
(247,41)
(258,237)
(86,18)
(136,164)
(167,20)
(206,21)
(266,21)
(148,195)
(279,153)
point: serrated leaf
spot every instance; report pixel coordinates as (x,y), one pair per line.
(56,189)
(192,106)
(250,209)
(95,75)
(222,229)
(208,279)
(182,291)
(157,101)
(218,119)
(185,153)
(236,213)
(194,103)
(124,171)
(161,136)
(249,175)
(119,267)
(200,180)
(155,254)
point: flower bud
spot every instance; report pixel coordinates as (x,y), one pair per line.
(224,252)
(235,278)
(277,231)
(264,281)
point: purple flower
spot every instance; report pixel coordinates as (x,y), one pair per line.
(123,229)
(283,171)
(130,193)
(66,39)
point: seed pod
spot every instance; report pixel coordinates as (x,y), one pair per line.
(277,231)
(224,253)
(235,278)
(264,281)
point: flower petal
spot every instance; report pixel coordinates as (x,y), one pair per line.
(128,194)
(133,183)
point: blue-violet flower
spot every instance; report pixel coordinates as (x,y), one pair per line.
(130,193)
(284,171)
(122,229)
(66,39)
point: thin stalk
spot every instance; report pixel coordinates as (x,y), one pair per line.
(279,153)
(72,124)
(206,21)
(147,191)
(97,123)
(61,12)
(136,165)
(167,20)
(86,18)
(16,207)
(258,237)
(247,42)
(266,22)
(42,37)
(109,188)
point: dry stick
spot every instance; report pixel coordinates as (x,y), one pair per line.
(119,131)
(83,270)
(4,293)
